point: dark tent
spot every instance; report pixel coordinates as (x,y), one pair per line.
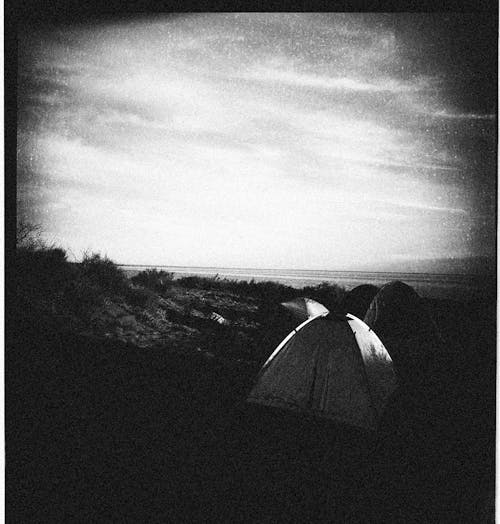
(401,320)
(358,300)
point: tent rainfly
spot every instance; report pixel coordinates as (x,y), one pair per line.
(304,308)
(358,300)
(408,330)
(330,367)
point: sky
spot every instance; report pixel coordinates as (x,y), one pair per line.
(306,141)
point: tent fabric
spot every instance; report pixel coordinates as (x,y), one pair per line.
(378,363)
(358,300)
(331,368)
(399,317)
(304,308)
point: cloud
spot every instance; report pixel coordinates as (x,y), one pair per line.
(390,85)
(411,207)
(462,116)
(227,129)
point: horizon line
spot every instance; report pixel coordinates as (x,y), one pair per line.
(364,271)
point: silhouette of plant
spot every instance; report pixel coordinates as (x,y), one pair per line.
(153,279)
(104,272)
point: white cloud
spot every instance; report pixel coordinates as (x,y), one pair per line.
(325,82)
(199,137)
(462,116)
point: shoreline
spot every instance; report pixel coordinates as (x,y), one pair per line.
(428,285)
(270,271)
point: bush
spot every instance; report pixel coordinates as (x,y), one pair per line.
(153,279)
(81,296)
(267,291)
(38,263)
(141,297)
(43,268)
(104,272)
(194,282)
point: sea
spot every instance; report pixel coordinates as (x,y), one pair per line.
(428,285)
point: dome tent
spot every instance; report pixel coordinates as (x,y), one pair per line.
(407,329)
(332,367)
(304,308)
(358,300)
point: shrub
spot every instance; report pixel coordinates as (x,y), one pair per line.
(104,272)
(37,263)
(141,297)
(271,292)
(153,279)
(267,290)
(81,296)
(43,268)
(195,282)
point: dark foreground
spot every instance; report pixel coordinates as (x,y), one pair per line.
(103,431)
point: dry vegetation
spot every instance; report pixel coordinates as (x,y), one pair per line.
(227,318)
